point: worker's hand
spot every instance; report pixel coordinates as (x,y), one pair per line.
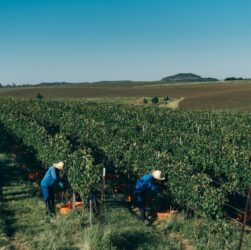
(61,184)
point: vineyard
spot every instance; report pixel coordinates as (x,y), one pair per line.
(205,156)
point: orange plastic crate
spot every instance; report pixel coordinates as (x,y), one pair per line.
(66,208)
(164,215)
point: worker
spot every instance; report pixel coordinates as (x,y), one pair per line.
(145,184)
(47,185)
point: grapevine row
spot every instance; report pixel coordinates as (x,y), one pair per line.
(172,143)
(81,173)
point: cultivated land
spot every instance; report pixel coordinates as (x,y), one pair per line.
(24,224)
(234,95)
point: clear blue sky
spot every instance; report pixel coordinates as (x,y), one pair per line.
(93,40)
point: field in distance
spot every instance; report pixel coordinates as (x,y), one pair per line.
(234,95)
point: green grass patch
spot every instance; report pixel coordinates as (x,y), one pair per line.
(4,241)
(123,231)
(207,234)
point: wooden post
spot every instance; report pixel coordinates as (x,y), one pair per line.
(74,200)
(244,219)
(90,216)
(103,195)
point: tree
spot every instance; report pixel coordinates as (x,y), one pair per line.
(39,96)
(233,78)
(155,100)
(166,98)
(145,101)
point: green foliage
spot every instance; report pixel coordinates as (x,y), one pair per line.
(39,96)
(145,101)
(234,79)
(167,98)
(192,148)
(155,100)
(49,149)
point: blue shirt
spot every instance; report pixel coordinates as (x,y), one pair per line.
(50,177)
(145,183)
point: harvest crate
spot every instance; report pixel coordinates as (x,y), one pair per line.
(164,215)
(66,208)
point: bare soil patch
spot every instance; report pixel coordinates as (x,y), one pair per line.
(222,95)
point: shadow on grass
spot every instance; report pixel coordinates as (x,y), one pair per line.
(11,177)
(25,196)
(9,219)
(130,240)
(12,173)
(116,204)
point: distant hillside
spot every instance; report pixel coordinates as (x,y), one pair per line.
(58,83)
(187,77)
(118,82)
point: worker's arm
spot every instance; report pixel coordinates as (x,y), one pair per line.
(153,187)
(61,184)
(54,175)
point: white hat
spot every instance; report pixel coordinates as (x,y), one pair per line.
(157,175)
(58,165)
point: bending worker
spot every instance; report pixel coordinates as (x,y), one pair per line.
(47,184)
(144,184)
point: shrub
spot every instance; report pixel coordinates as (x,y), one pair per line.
(39,96)
(155,100)
(233,79)
(145,101)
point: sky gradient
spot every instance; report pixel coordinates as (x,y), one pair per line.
(94,40)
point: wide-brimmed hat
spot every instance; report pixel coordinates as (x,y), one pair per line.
(157,175)
(59,165)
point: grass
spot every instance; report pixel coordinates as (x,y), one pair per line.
(205,234)
(4,241)
(124,231)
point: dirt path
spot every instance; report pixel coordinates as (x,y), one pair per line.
(174,104)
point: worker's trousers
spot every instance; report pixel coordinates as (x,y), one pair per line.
(48,194)
(140,203)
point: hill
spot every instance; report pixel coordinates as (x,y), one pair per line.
(188,77)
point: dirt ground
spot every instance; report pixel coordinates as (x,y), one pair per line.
(220,96)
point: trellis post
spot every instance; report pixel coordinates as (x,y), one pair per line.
(244,219)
